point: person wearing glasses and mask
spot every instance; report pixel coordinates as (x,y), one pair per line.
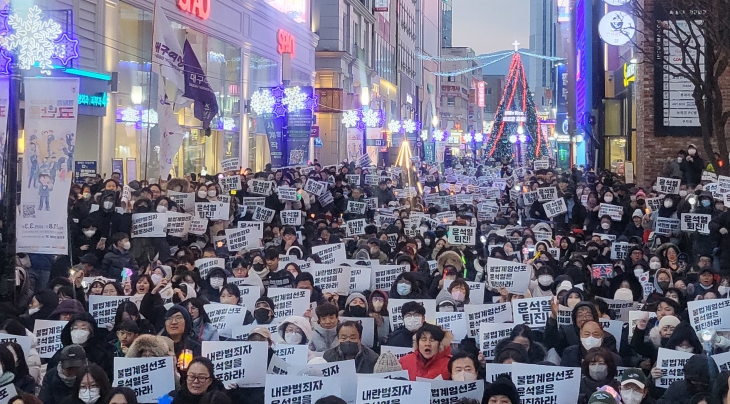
(199,380)
(91,385)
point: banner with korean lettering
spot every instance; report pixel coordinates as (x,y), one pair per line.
(51,112)
(104,308)
(462,235)
(477,314)
(282,389)
(699,222)
(331,253)
(533,312)
(513,276)
(225,317)
(289,302)
(383,276)
(546,384)
(454,322)
(238,362)
(149,378)
(671,363)
(378,391)
(48,337)
(449,391)
(667,185)
(7,392)
(665,226)
(490,334)
(704,314)
(344,371)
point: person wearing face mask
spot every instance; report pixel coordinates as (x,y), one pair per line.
(263,312)
(598,369)
(431,353)
(296,330)
(542,285)
(350,346)
(692,166)
(378,310)
(407,286)
(635,387)
(591,336)
(82,330)
(635,228)
(213,285)
(668,210)
(464,367)
(460,291)
(91,386)
(85,241)
(118,257)
(107,220)
(703,244)
(565,336)
(414,315)
(445,302)
(699,374)
(59,380)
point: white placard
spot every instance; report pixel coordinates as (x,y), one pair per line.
(454,322)
(699,222)
(212,210)
(148,225)
(262,214)
(185,200)
(705,314)
(204,265)
(552,383)
(355,227)
(615,328)
(7,392)
(104,308)
(379,391)
(331,253)
(533,311)
(462,235)
(331,279)
(150,378)
(178,224)
(287,193)
(555,207)
(225,317)
(281,389)
(230,164)
(317,188)
(261,187)
(477,314)
(547,194)
(397,351)
(671,363)
(510,275)
(291,217)
(238,362)
(48,336)
(356,207)
(490,334)
(359,278)
(665,226)
(667,185)
(615,211)
(198,226)
(383,276)
(449,391)
(232,183)
(294,355)
(289,302)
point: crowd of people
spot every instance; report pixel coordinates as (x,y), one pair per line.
(165,315)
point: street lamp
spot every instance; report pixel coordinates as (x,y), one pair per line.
(435,121)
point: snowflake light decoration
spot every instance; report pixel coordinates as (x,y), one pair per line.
(468,138)
(439,136)
(294,99)
(149,118)
(262,102)
(409,126)
(350,118)
(479,137)
(129,115)
(394,126)
(371,118)
(33,38)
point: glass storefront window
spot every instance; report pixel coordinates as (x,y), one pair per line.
(137,87)
(615,151)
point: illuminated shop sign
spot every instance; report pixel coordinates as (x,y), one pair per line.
(286,43)
(198,8)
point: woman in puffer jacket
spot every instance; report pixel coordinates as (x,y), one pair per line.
(296,330)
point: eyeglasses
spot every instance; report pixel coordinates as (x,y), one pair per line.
(86,388)
(176,318)
(199,378)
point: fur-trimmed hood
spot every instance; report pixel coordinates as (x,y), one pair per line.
(158,345)
(449,257)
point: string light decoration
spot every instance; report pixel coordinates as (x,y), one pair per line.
(350,118)
(521,123)
(372,118)
(280,100)
(394,126)
(294,99)
(440,135)
(479,137)
(66,49)
(33,39)
(262,101)
(409,126)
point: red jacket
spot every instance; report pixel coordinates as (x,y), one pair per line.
(418,366)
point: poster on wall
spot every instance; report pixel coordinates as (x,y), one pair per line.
(381,6)
(51,112)
(354,144)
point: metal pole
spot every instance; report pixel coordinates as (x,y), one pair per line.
(7,287)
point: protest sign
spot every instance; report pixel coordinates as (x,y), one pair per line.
(256,233)
(331,279)
(671,363)
(262,214)
(291,217)
(620,250)
(343,371)
(25,341)
(7,392)
(238,362)
(317,188)
(150,378)
(359,278)
(261,187)
(233,183)
(546,384)
(565,315)
(615,211)
(704,314)
(186,200)
(541,164)
(615,328)
(555,207)
(212,210)
(667,185)
(226,199)
(398,351)
(331,253)
(48,336)
(477,314)
(225,317)
(178,224)
(355,227)
(198,226)
(533,312)
(602,271)
(490,334)
(396,318)
(289,389)
(514,277)
(353,179)
(287,193)
(383,276)
(454,322)
(230,164)
(530,197)
(289,302)
(294,355)
(148,225)
(449,391)
(380,391)
(635,316)
(398,374)
(204,265)
(722,360)
(654,203)
(665,226)
(252,202)
(708,176)
(547,194)
(699,222)
(462,235)
(621,307)
(494,370)
(104,308)
(357,208)
(249,292)
(278,366)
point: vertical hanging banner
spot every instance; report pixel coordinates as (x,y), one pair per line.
(51,111)
(298,129)
(197,87)
(275,135)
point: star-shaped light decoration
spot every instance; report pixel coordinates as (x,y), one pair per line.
(279,110)
(312,102)
(294,99)
(33,39)
(278,92)
(262,101)
(66,49)
(409,126)
(350,118)
(372,118)
(394,126)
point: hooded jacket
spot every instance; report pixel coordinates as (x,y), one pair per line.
(382,322)
(418,290)
(445,297)
(303,325)
(187,341)
(323,339)
(95,347)
(157,345)
(535,354)
(48,300)
(418,366)
(698,368)
(53,390)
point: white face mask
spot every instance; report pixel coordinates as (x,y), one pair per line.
(89,233)
(692,151)
(605,226)
(545,280)
(293,338)
(127,245)
(212,193)
(684,349)
(679,159)
(156,278)
(683,193)
(629,396)
(108,205)
(572,302)
(162,209)
(464,377)
(638,272)
(216,283)
(655,265)
(590,342)
(427,241)
(87,195)
(202,194)
(89,396)
(668,204)
(79,336)
(413,323)
(608,198)
(33,310)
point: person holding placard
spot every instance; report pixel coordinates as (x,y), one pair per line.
(349,336)
(11,374)
(522,334)
(199,380)
(60,379)
(431,354)
(414,315)
(699,371)
(296,330)
(82,330)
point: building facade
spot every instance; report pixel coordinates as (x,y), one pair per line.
(543,41)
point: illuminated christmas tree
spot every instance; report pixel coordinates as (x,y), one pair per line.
(516,125)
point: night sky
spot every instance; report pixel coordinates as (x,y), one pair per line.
(491,25)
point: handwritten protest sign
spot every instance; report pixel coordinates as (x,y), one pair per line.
(238,362)
(48,337)
(198,226)
(148,225)
(150,378)
(533,311)
(699,222)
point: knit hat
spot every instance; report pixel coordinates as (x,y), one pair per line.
(623,294)
(68,306)
(668,320)
(640,195)
(564,286)
(503,386)
(637,213)
(387,362)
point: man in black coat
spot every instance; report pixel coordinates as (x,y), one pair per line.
(59,380)
(414,315)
